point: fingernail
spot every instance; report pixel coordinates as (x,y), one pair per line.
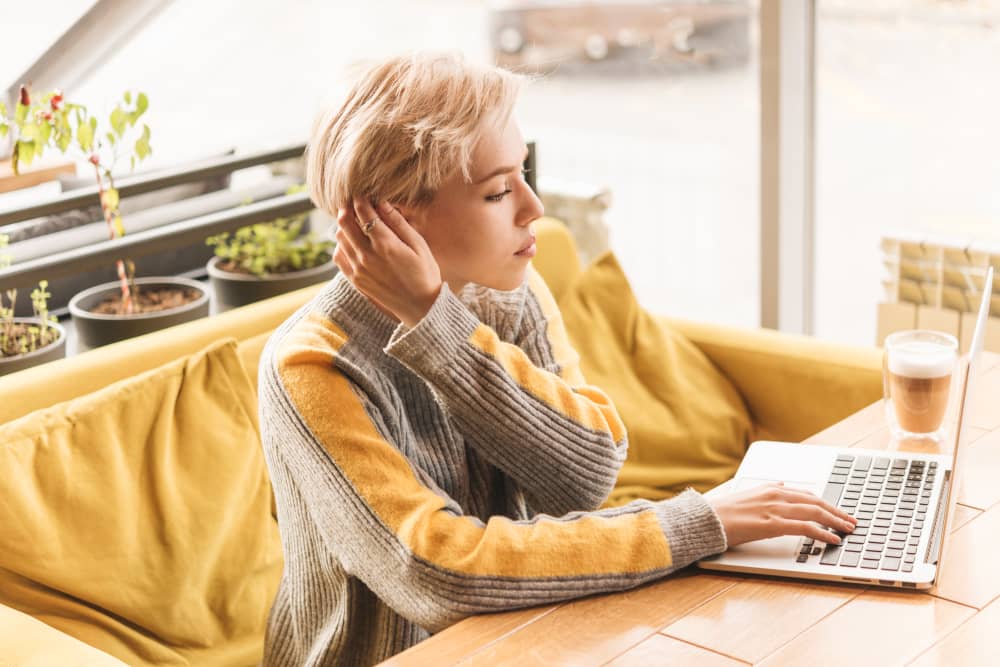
(837,538)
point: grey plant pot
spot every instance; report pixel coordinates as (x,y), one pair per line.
(50,352)
(94,329)
(232,290)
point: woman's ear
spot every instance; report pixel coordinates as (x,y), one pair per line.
(414,215)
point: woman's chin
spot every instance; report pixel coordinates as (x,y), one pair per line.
(507,283)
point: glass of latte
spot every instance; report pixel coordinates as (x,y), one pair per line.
(918,373)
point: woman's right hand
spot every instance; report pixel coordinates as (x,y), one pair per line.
(772,510)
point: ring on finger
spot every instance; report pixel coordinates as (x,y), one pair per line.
(370,225)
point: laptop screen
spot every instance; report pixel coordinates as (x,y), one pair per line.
(968,375)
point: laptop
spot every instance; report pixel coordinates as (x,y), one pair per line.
(903,501)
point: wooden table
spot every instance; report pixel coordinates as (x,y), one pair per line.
(697,618)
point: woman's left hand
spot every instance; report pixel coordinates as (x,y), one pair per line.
(392,265)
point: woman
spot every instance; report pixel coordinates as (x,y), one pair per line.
(434,449)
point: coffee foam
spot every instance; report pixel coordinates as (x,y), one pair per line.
(921,359)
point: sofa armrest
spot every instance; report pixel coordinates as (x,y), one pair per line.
(27,642)
(794,386)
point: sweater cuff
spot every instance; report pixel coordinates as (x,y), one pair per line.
(435,341)
(692,528)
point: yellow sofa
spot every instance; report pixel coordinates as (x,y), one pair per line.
(792,387)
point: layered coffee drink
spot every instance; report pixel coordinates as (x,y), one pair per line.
(919,366)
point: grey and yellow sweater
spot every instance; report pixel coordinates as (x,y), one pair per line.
(424,475)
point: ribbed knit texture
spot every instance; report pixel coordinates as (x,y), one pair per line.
(423,475)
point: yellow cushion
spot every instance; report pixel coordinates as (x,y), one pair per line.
(27,642)
(687,425)
(137,518)
(557,260)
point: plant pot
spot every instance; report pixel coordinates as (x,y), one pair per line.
(50,352)
(232,290)
(96,329)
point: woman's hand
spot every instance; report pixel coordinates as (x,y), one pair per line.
(771,510)
(392,265)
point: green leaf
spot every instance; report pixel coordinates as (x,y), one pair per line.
(64,140)
(3,110)
(110,199)
(142,148)
(110,137)
(128,97)
(118,121)
(44,132)
(20,113)
(25,152)
(141,104)
(85,137)
(3,130)
(29,131)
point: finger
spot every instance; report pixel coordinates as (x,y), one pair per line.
(343,262)
(348,248)
(365,213)
(809,529)
(352,228)
(398,223)
(381,234)
(801,495)
(808,512)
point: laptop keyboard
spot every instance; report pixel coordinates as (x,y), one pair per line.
(889,498)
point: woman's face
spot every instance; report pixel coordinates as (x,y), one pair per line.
(480,232)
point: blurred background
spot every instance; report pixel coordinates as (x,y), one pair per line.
(654,105)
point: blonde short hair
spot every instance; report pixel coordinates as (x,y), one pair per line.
(406,125)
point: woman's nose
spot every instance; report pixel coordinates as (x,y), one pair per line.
(531,206)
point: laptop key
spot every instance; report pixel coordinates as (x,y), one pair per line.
(831,555)
(802,558)
(881,464)
(878,531)
(911,551)
(838,479)
(909,558)
(891,564)
(869,564)
(831,493)
(876,539)
(853,546)
(863,463)
(907,567)
(894,553)
(850,559)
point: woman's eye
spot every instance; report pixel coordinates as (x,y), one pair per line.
(498,196)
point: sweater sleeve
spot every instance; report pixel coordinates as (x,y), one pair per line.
(412,545)
(558,438)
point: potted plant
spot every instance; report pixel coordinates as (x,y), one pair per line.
(266,259)
(129,307)
(28,341)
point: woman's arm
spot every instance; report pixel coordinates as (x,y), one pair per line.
(411,544)
(523,405)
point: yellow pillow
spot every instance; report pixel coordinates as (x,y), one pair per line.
(687,424)
(137,518)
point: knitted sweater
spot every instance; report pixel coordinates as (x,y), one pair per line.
(425,474)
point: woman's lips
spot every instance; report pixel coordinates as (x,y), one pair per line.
(528,250)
